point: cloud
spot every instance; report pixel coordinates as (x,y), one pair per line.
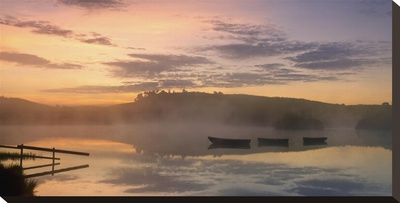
(265,77)
(375,8)
(153,64)
(176,83)
(263,41)
(136,48)
(266,49)
(99,40)
(247,41)
(336,64)
(338,56)
(23,59)
(174,60)
(326,52)
(95,89)
(275,76)
(36,61)
(95,4)
(96,38)
(127,87)
(137,68)
(39,27)
(46,28)
(249,33)
(271,66)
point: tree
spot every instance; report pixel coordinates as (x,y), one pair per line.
(139,97)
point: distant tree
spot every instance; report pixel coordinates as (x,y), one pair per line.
(139,97)
(150,93)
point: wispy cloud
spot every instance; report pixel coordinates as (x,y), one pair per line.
(136,48)
(150,65)
(46,28)
(136,68)
(127,87)
(247,41)
(266,49)
(250,41)
(96,38)
(176,83)
(249,33)
(243,79)
(339,56)
(39,27)
(164,73)
(35,61)
(95,4)
(94,89)
(375,8)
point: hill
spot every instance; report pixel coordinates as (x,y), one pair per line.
(199,107)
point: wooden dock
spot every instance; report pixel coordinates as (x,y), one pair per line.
(21,147)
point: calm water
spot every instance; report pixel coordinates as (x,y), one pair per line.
(161,159)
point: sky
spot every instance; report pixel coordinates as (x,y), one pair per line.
(104,52)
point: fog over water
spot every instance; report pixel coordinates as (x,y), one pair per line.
(167,158)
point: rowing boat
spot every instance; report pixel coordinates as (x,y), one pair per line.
(226,141)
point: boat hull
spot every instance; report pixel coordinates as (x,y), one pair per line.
(229,142)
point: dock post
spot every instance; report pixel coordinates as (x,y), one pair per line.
(54,156)
(21,156)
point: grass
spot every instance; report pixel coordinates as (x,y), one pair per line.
(13,182)
(16,156)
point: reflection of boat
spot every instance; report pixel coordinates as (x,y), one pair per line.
(314,140)
(273,142)
(217,146)
(229,142)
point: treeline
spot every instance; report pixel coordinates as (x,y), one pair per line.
(281,113)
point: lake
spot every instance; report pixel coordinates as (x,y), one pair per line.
(169,159)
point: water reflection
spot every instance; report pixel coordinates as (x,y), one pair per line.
(146,161)
(282,142)
(229,146)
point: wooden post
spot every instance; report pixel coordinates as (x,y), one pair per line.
(22,154)
(54,156)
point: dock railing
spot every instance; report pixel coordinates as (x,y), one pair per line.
(53,158)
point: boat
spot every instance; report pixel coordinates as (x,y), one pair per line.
(229,142)
(282,142)
(314,140)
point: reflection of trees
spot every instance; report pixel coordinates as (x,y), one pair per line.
(13,182)
(381,138)
(294,121)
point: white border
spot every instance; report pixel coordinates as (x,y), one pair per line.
(2,200)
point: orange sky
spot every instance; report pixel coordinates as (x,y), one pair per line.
(77,52)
